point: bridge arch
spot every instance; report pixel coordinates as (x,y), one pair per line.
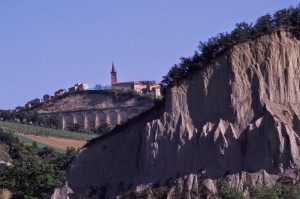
(123,116)
(79,119)
(113,118)
(101,118)
(68,121)
(91,120)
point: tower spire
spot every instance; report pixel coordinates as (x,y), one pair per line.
(113,68)
(113,74)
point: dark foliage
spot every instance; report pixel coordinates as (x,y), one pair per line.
(76,127)
(30,117)
(31,178)
(34,171)
(209,50)
(102,129)
(278,191)
(63,160)
(227,192)
(99,87)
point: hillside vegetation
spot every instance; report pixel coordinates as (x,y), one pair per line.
(208,51)
(43,131)
(33,171)
(24,116)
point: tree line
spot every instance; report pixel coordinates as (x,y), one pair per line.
(208,51)
(30,117)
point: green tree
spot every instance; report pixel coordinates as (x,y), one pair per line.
(42,121)
(46,153)
(282,17)
(263,24)
(174,75)
(75,127)
(278,191)
(289,191)
(7,115)
(8,138)
(34,145)
(32,116)
(295,16)
(63,160)
(210,49)
(102,129)
(53,122)
(264,192)
(241,33)
(31,178)
(228,192)
(101,87)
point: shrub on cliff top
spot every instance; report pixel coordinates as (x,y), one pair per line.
(209,50)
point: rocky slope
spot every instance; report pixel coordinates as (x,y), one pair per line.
(92,100)
(238,119)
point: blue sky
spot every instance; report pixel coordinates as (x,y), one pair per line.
(52,44)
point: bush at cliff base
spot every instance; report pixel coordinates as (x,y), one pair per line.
(278,191)
(31,178)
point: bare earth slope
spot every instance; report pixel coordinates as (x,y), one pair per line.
(238,117)
(92,100)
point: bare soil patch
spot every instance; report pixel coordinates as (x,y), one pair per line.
(6,194)
(61,143)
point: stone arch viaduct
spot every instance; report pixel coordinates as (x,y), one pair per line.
(91,119)
(90,109)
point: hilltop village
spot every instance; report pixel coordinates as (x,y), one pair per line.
(142,87)
(89,109)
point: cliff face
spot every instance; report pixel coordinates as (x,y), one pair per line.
(237,118)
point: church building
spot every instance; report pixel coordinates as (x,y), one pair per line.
(139,86)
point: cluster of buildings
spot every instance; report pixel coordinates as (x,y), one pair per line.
(145,87)
(139,86)
(60,92)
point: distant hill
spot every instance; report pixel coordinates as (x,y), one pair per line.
(89,109)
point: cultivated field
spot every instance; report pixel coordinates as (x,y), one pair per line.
(42,131)
(60,143)
(58,140)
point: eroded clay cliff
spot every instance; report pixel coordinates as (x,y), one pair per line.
(237,118)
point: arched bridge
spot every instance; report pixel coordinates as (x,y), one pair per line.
(91,119)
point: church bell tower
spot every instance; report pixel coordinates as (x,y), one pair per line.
(113,75)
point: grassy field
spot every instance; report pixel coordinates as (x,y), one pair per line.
(42,131)
(29,141)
